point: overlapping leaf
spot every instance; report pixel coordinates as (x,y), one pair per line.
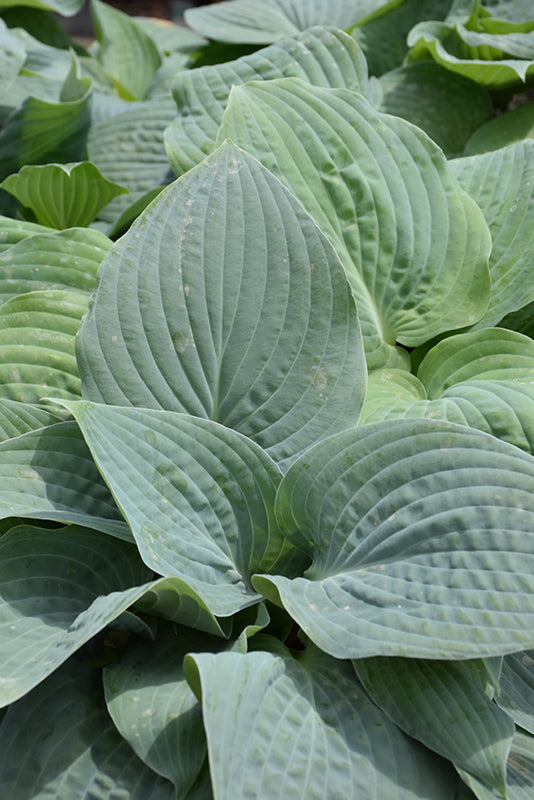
(198,497)
(447,106)
(58,588)
(484,379)
(17,418)
(440,704)
(208,305)
(50,474)
(67,260)
(37,333)
(420,535)
(62,195)
(508,128)
(321,56)
(59,740)
(278,727)
(516,688)
(14,230)
(502,183)
(413,244)
(126,52)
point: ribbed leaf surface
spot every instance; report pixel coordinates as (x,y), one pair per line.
(421,539)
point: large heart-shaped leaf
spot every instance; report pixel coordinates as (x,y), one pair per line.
(413,244)
(266,21)
(64,260)
(62,195)
(420,534)
(502,183)
(199,498)
(322,56)
(441,705)
(281,727)
(37,333)
(58,588)
(50,474)
(224,300)
(60,741)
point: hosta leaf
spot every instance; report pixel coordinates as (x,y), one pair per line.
(502,183)
(413,244)
(516,688)
(489,354)
(508,128)
(266,21)
(420,539)
(521,767)
(50,474)
(66,8)
(37,333)
(170,37)
(64,260)
(126,52)
(59,741)
(278,727)
(58,588)
(153,707)
(12,56)
(439,703)
(382,36)
(198,497)
(484,379)
(321,56)
(448,107)
(18,418)
(481,56)
(14,230)
(39,132)
(208,305)
(62,195)
(128,149)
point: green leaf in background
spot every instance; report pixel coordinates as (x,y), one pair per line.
(169,37)
(413,244)
(480,57)
(509,128)
(17,418)
(198,497)
(153,707)
(60,741)
(66,8)
(278,726)
(484,379)
(382,36)
(128,149)
(64,260)
(440,705)
(37,333)
(516,688)
(49,474)
(40,132)
(521,321)
(15,230)
(62,195)
(321,56)
(502,183)
(208,305)
(56,590)
(126,52)
(448,107)
(266,21)
(12,56)
(420,538)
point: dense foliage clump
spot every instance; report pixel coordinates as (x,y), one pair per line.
(267,402)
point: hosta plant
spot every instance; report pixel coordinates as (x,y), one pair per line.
(267,403)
